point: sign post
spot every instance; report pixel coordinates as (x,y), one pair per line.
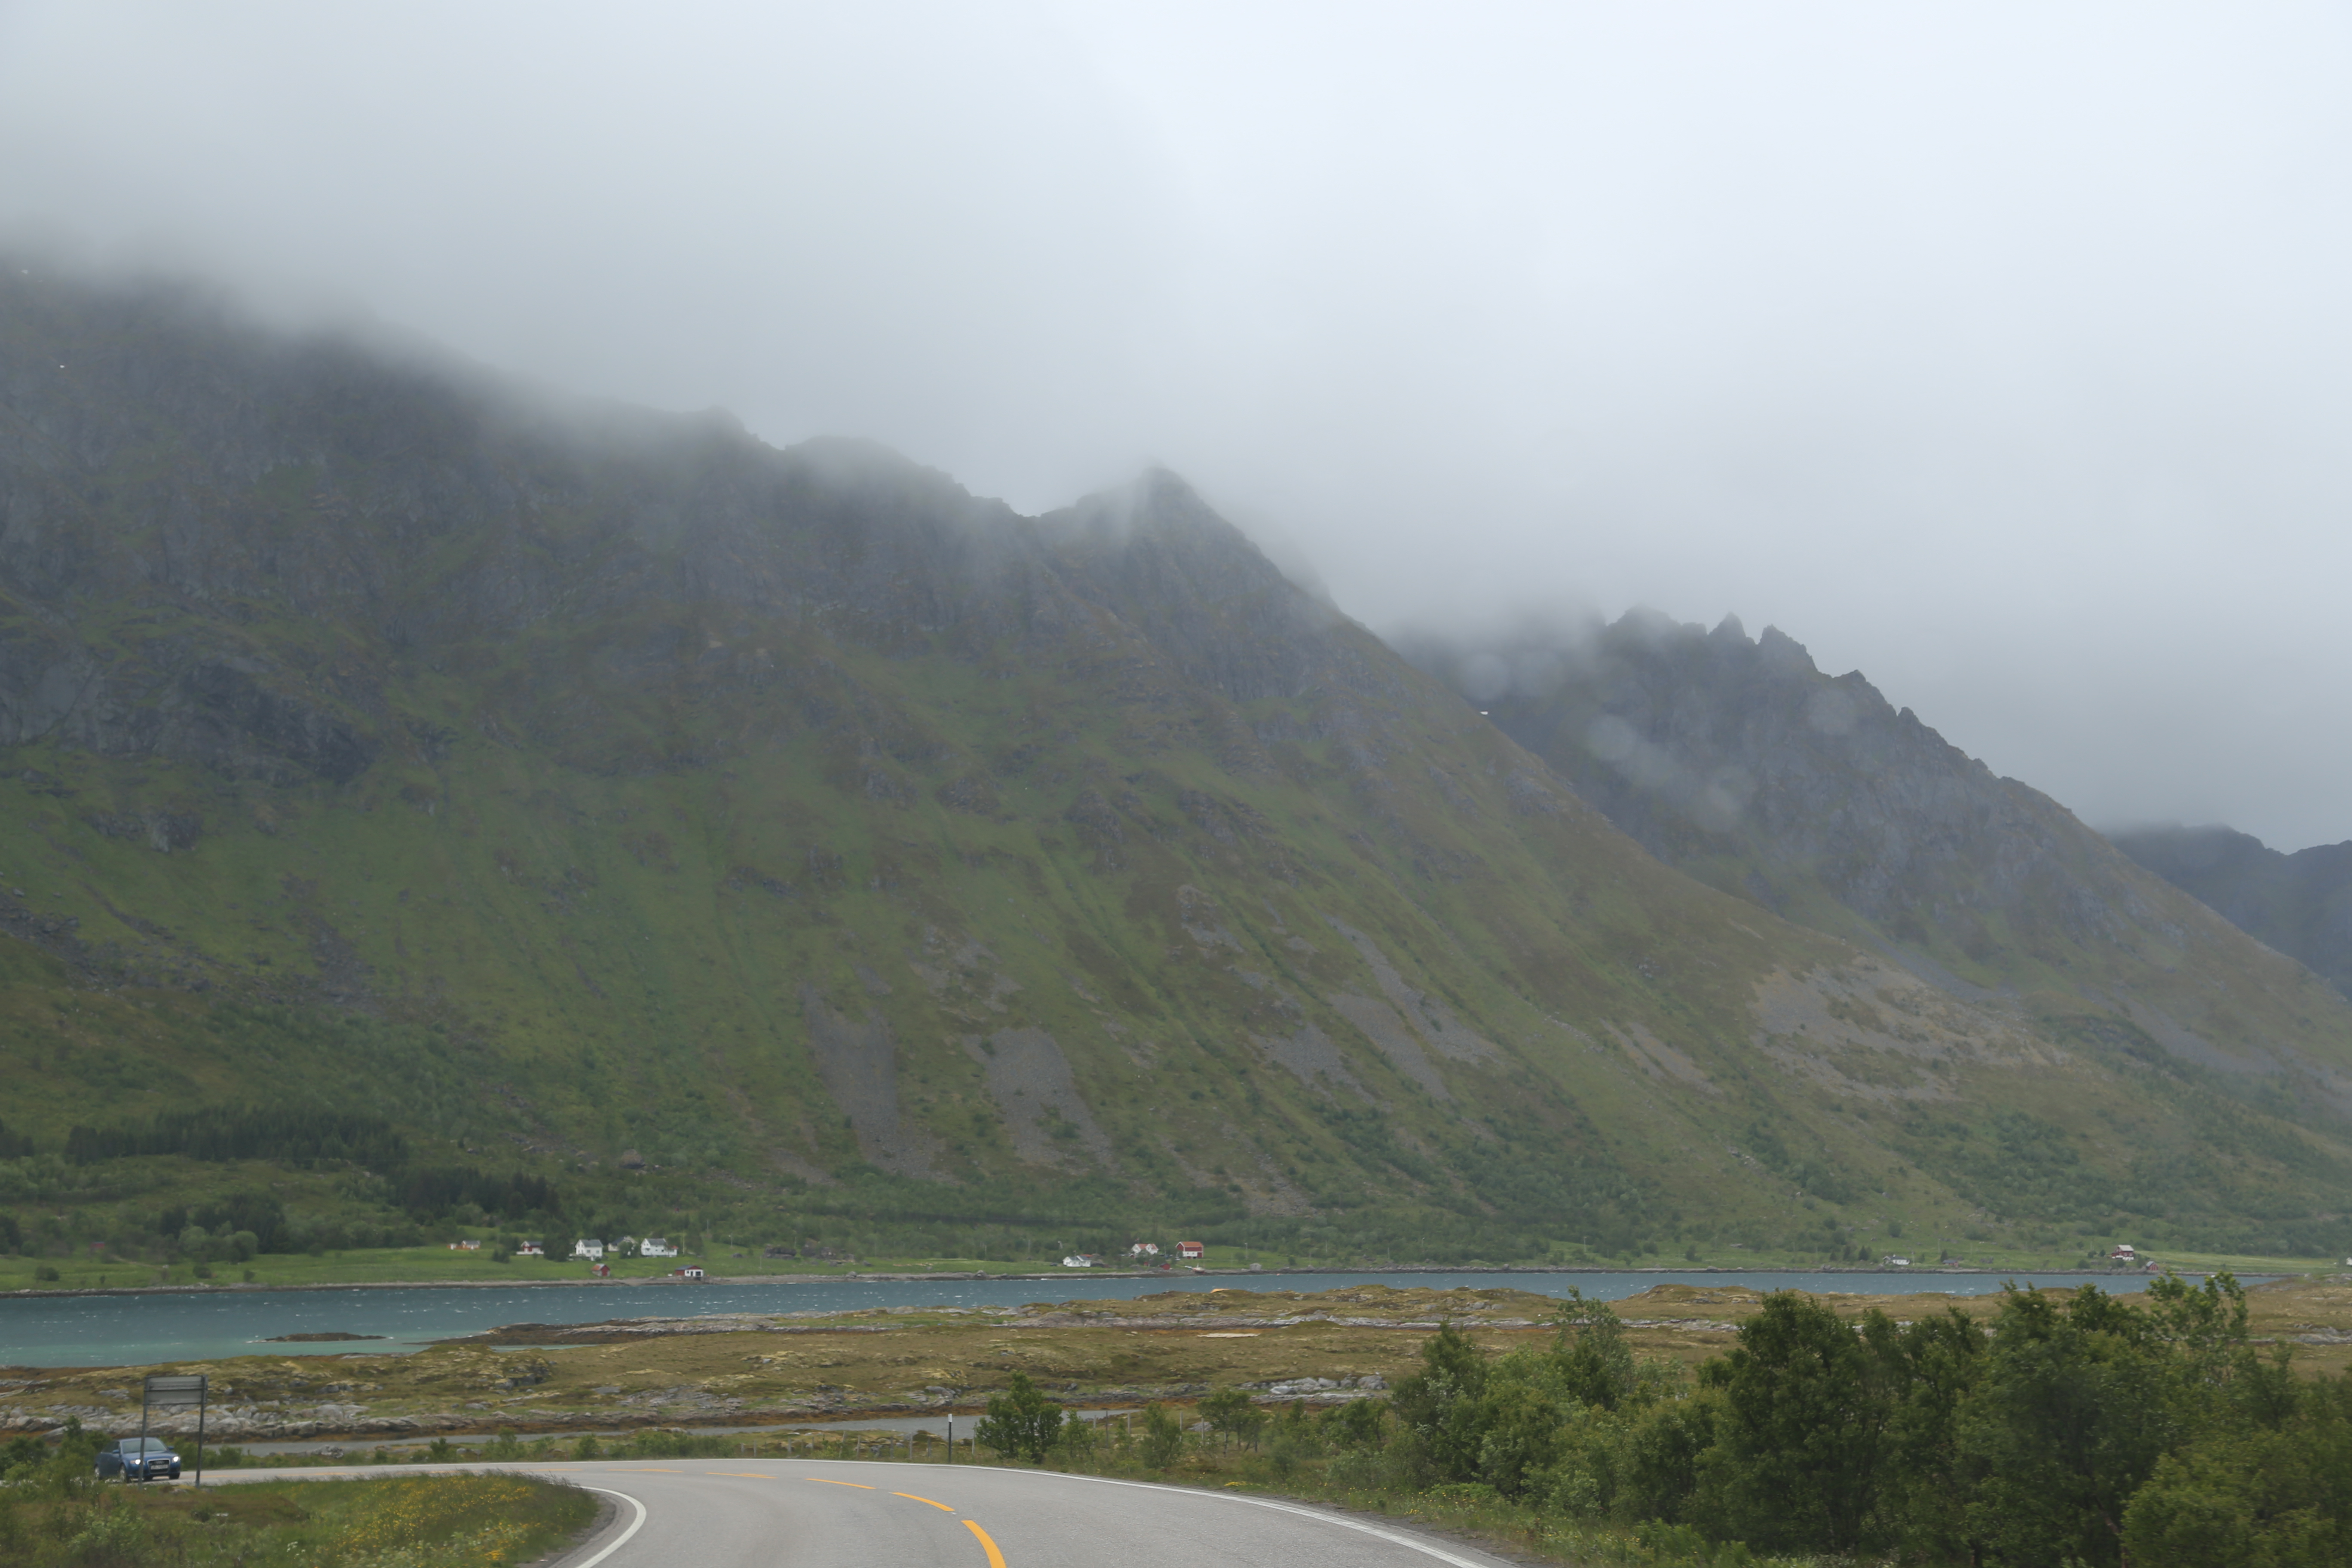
(176,1393)
(950,1436)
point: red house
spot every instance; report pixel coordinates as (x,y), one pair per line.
(1190,1250)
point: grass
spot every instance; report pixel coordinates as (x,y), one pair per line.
(403,1522)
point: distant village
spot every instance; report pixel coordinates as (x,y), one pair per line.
(599,1254)
(1143,1252)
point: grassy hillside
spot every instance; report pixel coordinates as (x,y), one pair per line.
(598,820)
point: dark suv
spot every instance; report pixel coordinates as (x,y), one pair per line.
(138,1459)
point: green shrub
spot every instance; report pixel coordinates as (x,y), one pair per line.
(1020,1423)
(2272,1491)
(1358,1423)
(1077,1441)
(1231,1412)
(113,1536)
(1163,1437)
(665,1445)
(1292,1441)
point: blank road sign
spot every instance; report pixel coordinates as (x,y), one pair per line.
(177,1389)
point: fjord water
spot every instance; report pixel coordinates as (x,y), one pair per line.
(133,1331)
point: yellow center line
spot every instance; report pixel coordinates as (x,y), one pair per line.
(820,1480)
(912,1498)
(996,1558)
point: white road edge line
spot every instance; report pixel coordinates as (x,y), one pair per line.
(634,1525)
(1394,1537)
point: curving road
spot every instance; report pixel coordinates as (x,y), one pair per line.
(780,1513)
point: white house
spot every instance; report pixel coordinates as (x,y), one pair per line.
(688,1272)
(1144,1249)
(1081,1260)
(593,1251)
(656,1247)
(2123,1254)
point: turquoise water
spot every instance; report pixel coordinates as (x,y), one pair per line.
(121,1331)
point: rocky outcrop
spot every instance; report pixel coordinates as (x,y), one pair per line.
(1707,745)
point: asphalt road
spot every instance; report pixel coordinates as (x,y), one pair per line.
(779,1513)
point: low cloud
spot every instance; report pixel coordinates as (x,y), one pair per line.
(2000,351)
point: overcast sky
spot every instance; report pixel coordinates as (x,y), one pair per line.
(2003,351)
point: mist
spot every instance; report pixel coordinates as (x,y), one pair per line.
(1999,351)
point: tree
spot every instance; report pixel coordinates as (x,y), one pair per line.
(2079,1398)
(1931,1367)
(1163,1437)
(1595,1361)
(1520,1425)
(1664,1455)
(1357,1424)
(1438,1408)
(1295,1438)
(1232,1412)
(1021,1422)
(2271,1494)
(1800,1430)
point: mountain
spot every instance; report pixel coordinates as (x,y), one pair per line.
(1738,762)
(2300,904)
(420,799)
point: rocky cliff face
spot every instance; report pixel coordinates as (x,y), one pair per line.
(2300,904)
(556,782)
(1739,761)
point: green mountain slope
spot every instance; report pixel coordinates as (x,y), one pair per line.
(459,803)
